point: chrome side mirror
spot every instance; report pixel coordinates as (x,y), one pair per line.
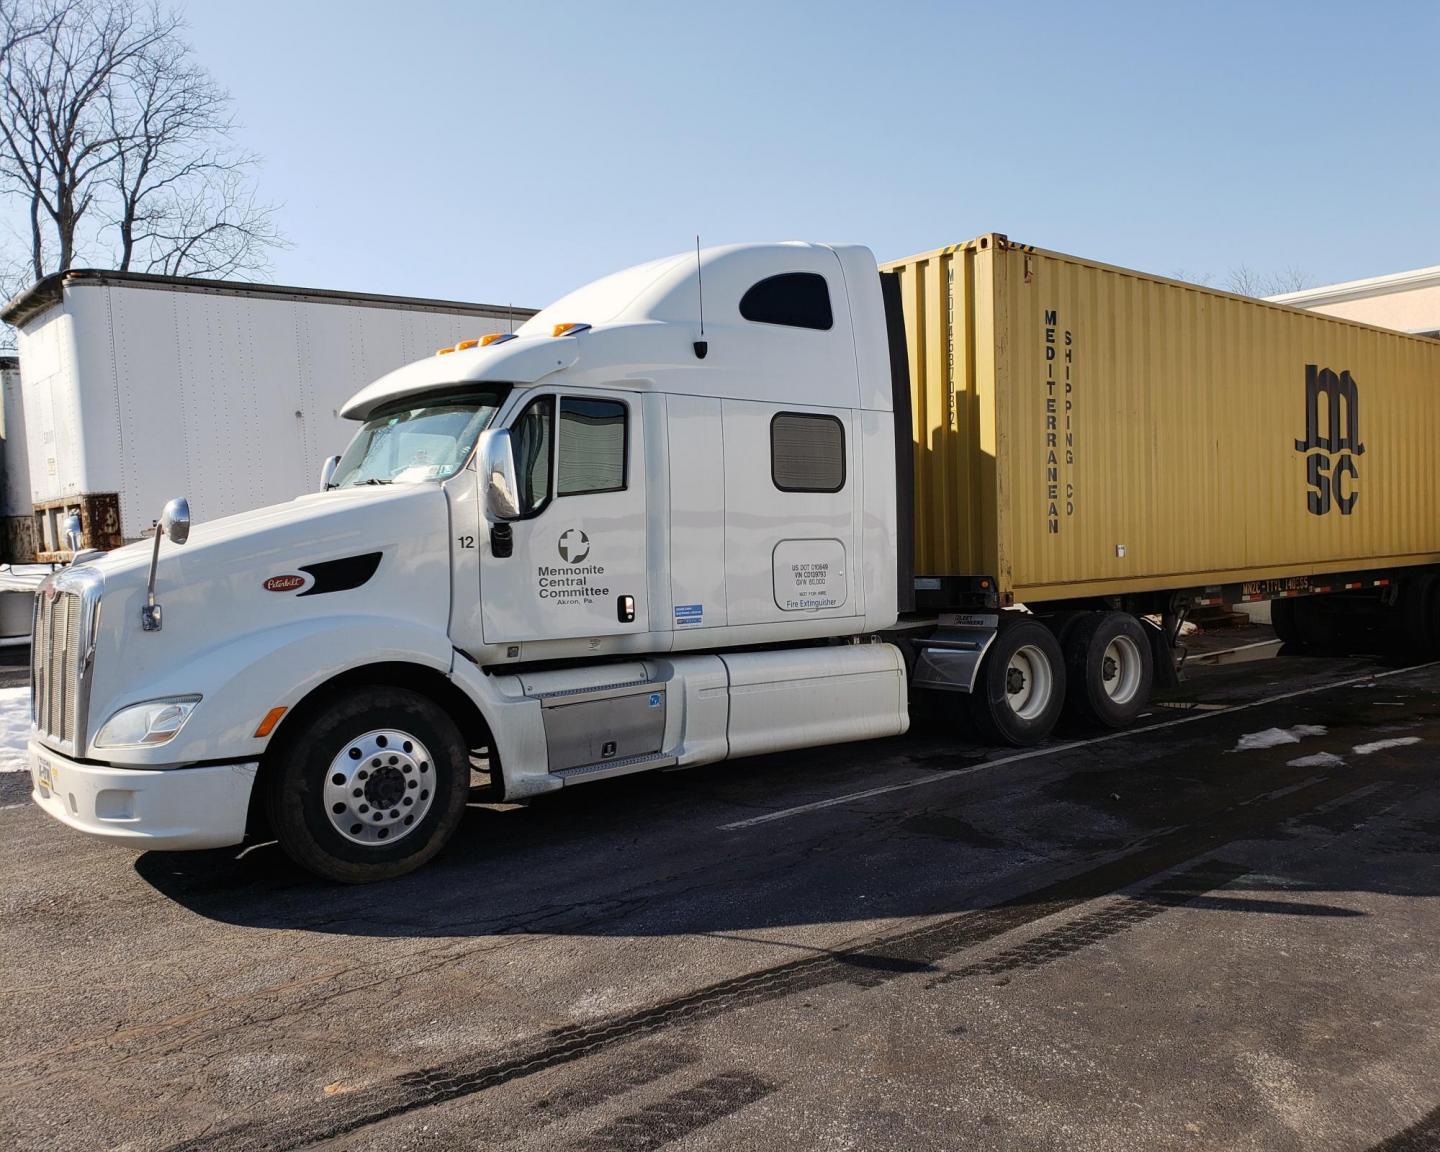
(327,472)
(175,520)
(497,475)
(74,532)
(174,524)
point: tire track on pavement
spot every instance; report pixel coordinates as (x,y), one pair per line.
(866,964)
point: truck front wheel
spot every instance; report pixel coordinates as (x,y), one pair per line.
(370,786)
(1021,685)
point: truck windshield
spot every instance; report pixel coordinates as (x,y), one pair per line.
(427,438)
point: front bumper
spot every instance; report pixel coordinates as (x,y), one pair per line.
(174,808)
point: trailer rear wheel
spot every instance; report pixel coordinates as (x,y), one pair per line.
(1305,624)
(1021,685)
(1419,614)
(1110,668)
(1286,622)
(370,786)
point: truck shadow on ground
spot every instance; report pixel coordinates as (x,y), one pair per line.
(650,855)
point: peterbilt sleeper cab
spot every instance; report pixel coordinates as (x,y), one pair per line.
(598,546)
(629,536)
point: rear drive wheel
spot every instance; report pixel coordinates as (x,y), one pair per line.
(1110,669)
(369,787)
(1021,685)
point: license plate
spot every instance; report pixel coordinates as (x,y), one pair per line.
(45,774)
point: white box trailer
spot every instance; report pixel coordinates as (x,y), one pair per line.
(134,387)
(14,460)
(17,584)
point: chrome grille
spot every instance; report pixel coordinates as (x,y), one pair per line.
(55,665)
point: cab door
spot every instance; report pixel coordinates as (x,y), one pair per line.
(576,566)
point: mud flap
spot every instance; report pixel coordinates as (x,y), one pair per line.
(1168,659)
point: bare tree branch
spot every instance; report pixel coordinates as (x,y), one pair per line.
(216,228)
(1248,282)
(109,128)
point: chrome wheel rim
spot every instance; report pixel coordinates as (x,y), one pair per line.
(379,787)
(1028,682)
(1120,669)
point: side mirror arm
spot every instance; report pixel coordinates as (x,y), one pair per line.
(174,522)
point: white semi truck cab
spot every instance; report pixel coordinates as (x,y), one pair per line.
(688,513)
(632,535)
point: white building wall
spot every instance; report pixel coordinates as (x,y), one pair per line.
(1405,301)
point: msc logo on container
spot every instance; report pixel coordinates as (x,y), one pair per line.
(1330,468)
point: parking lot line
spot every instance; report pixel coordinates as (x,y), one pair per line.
(1033,753)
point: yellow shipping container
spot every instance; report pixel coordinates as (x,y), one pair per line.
(1085,430)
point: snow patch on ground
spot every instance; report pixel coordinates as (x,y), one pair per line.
(1381,745)
(1274,737)
(1317,760)
(14,728)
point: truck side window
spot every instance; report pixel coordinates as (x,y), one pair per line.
(530,440)
(795,299)
(807,452)
(592,446)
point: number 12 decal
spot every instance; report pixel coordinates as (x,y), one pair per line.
(467,542)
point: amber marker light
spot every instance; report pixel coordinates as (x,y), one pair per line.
(267,725)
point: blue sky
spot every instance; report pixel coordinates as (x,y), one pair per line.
(508,152)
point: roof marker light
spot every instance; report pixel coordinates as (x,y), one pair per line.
(464,344)
(496,338)
(568,329)
(443,351)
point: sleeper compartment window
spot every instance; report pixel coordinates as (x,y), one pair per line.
(792,299)
(807,452)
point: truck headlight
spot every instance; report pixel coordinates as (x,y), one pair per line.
(153,722)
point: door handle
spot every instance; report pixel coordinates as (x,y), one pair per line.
(625,609)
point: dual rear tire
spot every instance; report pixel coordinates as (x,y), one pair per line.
(1102,674)
(1304,624)
(1111,667)
(1020,689)
(1346,623)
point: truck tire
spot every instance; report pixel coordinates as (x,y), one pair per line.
(370,786)
(1020,688)
(1286,622)
(1110,669)
(1419,616)
(1319,625)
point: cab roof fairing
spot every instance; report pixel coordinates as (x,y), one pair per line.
(523,360)
(641,318)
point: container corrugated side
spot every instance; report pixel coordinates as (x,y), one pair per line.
(1086,430)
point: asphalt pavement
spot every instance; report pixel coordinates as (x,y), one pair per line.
(1214,932)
